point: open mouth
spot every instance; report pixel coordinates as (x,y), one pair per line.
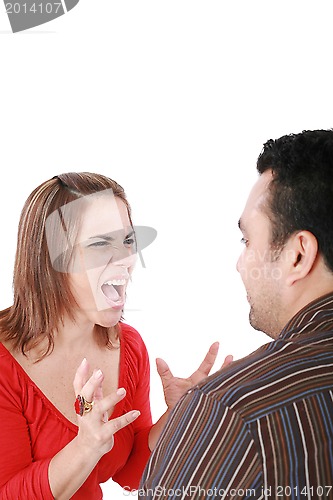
(114,290)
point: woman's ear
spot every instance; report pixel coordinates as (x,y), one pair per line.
(301,252)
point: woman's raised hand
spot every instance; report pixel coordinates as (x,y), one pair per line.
(95,430)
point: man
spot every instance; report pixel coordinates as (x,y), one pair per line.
(263,426)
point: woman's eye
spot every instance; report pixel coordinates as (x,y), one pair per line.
(129,241)
(97,244)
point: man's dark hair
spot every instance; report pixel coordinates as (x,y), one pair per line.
(301,192)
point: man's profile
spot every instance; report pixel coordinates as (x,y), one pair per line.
(262,427)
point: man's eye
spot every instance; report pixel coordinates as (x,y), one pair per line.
(244,241)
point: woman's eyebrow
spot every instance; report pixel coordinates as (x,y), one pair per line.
(105,236)
(108,237)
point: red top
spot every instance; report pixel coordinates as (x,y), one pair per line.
(32,429)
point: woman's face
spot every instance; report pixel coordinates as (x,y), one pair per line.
(103,260)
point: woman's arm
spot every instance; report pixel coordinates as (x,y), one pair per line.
(62,475)
(70,468)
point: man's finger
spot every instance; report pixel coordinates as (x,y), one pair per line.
(163,369)
(227,360)
(209,360)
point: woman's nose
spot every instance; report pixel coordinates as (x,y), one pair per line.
(126,259)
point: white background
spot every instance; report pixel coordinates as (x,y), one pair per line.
(174,100)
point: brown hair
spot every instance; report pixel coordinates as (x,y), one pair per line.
(42,295)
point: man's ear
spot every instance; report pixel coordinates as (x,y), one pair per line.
(302,251)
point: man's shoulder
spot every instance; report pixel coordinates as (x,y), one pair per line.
(244,372)
(273,376)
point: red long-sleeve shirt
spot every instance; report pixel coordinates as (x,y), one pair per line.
(32,429)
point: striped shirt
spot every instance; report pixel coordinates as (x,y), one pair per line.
(262,428)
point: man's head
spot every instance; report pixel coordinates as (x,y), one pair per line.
(301,193)
(287,225)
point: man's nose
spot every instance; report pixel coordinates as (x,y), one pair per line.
(238,263)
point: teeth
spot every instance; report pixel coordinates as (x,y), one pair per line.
(115,282)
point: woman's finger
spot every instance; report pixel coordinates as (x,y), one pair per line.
(81,376)
(98,396)
(120,422)
(92,384)
(98,393)
(107,404)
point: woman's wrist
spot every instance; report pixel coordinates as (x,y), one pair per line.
(69,469)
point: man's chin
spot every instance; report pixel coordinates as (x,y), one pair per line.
(260,327)
(255,323)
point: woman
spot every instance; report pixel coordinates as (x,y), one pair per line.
(75,254)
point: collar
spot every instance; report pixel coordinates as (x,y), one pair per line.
(318,314)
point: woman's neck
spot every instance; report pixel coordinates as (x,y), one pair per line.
(74,336)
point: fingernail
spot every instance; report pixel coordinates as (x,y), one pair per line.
(98,374)
(121,391)
(83,362)
(135,413)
